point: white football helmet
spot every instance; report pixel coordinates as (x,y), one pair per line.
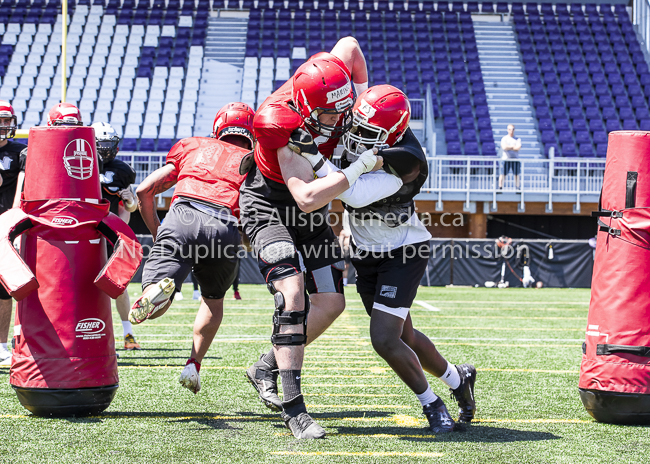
(107,141)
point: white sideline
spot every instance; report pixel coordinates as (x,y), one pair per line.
(426,305)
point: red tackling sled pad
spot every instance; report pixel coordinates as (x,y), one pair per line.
(615,371)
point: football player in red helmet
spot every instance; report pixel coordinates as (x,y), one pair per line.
(234,124)
(392,252)
(12,167)
(64,114)
(284,213)
(200,231)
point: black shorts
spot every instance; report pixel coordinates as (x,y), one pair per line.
(288,241)
(192,240)
(389,281)
(510,166)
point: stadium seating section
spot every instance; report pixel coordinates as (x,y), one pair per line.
(138,66)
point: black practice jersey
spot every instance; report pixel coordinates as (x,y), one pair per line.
(11,163)
(116,175)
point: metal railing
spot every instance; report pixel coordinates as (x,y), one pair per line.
(477,179)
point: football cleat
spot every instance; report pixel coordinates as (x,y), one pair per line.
(237,296)
(265,380)
(5,359)
(178,296)
(130,343)
(153,298)
(300,422)
(440,420)
(464,394)
(196,295)
(190,377)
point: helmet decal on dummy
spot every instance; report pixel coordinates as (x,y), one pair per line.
(107,141)
(381,116)
(234,119)
(64,114)
(320,88)
(78,159)
(7,112)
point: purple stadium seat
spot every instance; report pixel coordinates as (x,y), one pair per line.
(147,144)
(489,149)
(565,136)
(600,136)
(579,124)
(548,136)
(613,125)
(129,144)
(569,150)
(453,148)
(642,113)
(596,125)
(165,144)
(471,149)
(582,136)
(450,122)
(601,150)
(469,135)
(586,150)
(486,136)
(542,111)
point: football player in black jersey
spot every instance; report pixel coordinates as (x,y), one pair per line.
(116,178)
(11,165)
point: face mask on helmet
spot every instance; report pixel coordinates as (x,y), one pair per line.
(8,126)
(107,148)
(338,129)
(364,136)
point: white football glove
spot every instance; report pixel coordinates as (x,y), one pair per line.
(128,198)
(366,162)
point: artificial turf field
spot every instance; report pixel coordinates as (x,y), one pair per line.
(526,345)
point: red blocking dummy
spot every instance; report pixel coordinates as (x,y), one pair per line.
(64,360)
(615,371)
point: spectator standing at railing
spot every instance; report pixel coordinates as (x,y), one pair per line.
(510,147)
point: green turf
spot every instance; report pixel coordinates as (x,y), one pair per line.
(526,345)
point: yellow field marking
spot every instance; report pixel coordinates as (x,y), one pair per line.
(547,318)
(540,329)
(542,371)
(360,435)
(537,421)
(353,385)
(344,376)
(13,416)
(360,453)
(410,421)
(508,345)
(359,395)
(359,406)
(339,362)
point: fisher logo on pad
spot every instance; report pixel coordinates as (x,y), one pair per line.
(91,328)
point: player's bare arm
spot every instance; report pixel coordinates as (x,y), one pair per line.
(348,50)
(157,182)
(310,194)
(19,188)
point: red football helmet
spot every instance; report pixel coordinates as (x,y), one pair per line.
(320,87)
(7,111)
(64,114)
(381,116)
(234,119)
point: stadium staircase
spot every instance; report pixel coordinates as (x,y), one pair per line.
(222,73)
(507,92)
(226,40)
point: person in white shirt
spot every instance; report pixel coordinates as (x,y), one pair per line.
(390,247)
(510,147)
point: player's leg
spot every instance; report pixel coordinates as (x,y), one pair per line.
(169,263)
(459,378)
(324,285)
(394,278)
(195,284)
(214,275)
(122,304)
(5,321)
(281,265)
(235,284)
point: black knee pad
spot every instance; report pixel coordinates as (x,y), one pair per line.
(282,317)
(368,300)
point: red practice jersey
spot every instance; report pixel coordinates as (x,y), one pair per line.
(275,121)
(208,171)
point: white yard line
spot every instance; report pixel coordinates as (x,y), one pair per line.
(427,305)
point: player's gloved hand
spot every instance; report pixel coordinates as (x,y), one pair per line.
(302,143)
(367,162)
(128,198)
